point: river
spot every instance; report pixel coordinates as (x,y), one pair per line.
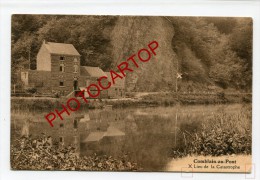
(145,135)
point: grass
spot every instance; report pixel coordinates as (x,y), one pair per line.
(218,135)
(189,99)
(150,100)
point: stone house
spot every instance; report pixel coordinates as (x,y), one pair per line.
(116,90)
(59,71)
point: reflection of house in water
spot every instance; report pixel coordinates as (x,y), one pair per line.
(64,132)
(107,130)
(103,140)
(131,124)
(90,129)
(94,137)
(97,136)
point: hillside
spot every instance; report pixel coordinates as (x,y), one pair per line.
(133,33)
(209,52)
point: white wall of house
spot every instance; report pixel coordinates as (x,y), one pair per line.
(43,59)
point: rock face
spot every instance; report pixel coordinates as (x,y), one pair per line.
(131,34)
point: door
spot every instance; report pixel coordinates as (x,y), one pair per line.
(75,85)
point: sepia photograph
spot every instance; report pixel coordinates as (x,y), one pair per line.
(131,93)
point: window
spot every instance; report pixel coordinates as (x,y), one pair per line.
(62,68)
(75,68)
(61,83)
(61,139)
(61,125)
(75,124)
(62,58)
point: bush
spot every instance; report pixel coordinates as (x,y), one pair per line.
(223,134)
(247,99)
(39,154)
(31,90)
(221,95)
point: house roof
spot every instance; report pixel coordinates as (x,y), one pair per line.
(118,82)
(85,118)
(97,136)
(61,48)
(94,136)
(113,131)
(91,71)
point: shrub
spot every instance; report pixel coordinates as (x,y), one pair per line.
(38,154)
(221,95)
(222,134)
(31,90)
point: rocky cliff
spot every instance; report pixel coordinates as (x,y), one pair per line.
(131,34)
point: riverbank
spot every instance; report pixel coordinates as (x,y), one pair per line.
(134,100)
(220,135)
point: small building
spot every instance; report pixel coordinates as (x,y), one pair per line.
(59,71)
(116,90)
(89,75)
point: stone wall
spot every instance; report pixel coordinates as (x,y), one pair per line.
(40,80)
(68,76)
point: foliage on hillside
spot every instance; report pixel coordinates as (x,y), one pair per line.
(212,50)
(209,51)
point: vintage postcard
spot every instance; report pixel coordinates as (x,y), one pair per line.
(131,93)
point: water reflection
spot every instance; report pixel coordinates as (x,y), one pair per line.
(145,134)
